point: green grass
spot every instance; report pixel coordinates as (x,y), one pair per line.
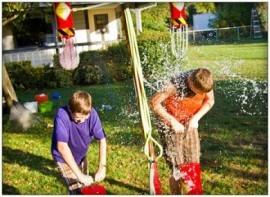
(247,60)
(233,144)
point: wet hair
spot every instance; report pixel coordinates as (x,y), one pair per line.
(80,102)
(202,79)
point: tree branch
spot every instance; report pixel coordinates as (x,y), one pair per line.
(9,20)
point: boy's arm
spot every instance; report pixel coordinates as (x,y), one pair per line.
(207,105)
(157,107)
(101,172)
(65,151)
(102,153)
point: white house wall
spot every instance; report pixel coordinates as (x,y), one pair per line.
(81,31)
(111,35)
(83,34)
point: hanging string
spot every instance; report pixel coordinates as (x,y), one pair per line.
(139,86)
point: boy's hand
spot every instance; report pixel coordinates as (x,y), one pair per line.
(177,126)
(192,124)
(100,174)
(86,179)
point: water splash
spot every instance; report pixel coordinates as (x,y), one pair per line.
(249,94)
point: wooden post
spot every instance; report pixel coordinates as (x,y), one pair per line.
(8,90)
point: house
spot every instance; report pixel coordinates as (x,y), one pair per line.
(97,25)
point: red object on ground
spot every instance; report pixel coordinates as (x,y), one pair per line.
(40,98)
(94,189)
(191,173)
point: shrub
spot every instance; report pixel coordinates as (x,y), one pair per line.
(24,76)
(154,36)
(88,75)
(118,62)
(157,60)
(58,78)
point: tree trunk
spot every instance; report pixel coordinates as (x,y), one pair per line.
(8,90)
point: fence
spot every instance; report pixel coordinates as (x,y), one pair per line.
(40,56)
(228,34)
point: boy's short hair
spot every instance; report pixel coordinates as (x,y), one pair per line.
(202,79)
(80,102)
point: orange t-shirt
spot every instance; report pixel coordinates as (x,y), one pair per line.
(184,108)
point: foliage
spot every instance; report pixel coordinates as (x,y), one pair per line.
(154,35)
(37,78)
(262,9)
(118,63)
(57,78)
(232,14)
(198,8)
(88,75)
(156,58)
(113,62)
(24,76)
(156,18)
(202,7)
(12,11)
(28,22)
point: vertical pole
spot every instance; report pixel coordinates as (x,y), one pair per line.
(238,34)
(55,30)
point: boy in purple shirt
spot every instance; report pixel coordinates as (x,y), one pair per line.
(75,127)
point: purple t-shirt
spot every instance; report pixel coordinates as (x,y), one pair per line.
(78,136)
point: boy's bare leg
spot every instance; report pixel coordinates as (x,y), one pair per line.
(174,186)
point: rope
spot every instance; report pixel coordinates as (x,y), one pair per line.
(139,86)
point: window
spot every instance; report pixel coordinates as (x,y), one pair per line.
(101,22)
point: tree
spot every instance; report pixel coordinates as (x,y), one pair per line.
(12,11)
(232,14)
(262,9)
(156,18)
(199,8)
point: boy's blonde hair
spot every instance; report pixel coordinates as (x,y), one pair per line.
(202,79)
(80,102)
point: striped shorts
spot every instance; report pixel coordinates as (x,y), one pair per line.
(180,148)
(70,178)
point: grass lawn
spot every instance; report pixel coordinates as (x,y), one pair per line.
(233,144)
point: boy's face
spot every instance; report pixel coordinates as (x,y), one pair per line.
(79,117)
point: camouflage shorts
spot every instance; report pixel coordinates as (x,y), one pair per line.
(70,178)
(180,148)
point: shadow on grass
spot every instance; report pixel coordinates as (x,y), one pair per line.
(128,186)
(32,161)
(214,151)
(8,189)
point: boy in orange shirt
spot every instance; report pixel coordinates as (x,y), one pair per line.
(180,106)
